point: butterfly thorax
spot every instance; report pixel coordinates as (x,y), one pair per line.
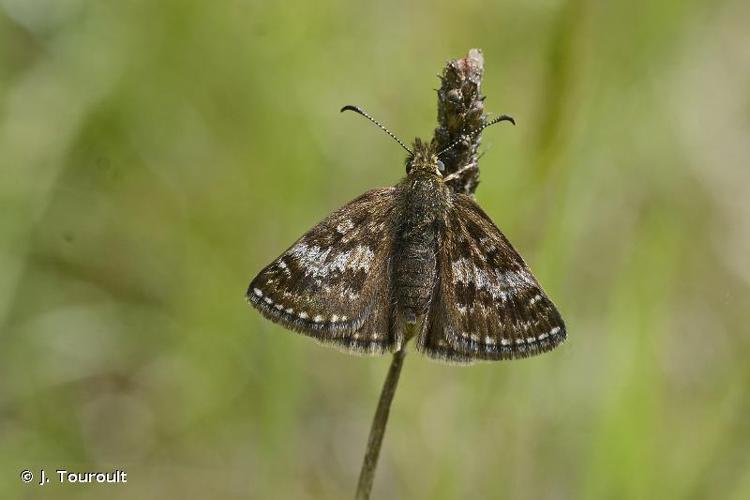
(423,199)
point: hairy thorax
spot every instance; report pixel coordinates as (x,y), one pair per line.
(423,200)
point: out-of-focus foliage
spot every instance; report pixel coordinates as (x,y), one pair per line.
(155,155)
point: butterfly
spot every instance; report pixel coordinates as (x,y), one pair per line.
(418,260)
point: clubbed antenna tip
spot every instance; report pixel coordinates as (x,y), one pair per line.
(501,118)
(357,109)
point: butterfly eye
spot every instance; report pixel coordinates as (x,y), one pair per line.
(441,166)
(408,166)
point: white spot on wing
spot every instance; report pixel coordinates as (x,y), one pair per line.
(519,278)
(258,292)
(319,263)
(464,271)
(344,226)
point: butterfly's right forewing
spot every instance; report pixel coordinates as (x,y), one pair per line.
(490,306)
(333,284)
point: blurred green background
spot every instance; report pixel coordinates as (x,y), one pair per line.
(155,155)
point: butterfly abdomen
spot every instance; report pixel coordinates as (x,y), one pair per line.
(415,255)
(415,270)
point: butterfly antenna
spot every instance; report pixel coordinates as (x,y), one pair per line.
(501,118)
(359,110)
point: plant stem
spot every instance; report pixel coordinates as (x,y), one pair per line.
(460,112)
(374,442)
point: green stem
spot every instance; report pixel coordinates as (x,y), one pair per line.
(374,442)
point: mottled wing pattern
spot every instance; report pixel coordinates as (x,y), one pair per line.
(333,283)
(490,306)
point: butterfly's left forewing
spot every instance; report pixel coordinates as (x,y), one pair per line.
(489,305)
(333,283)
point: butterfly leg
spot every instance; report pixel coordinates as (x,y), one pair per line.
(458,173)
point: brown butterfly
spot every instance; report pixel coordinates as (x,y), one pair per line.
(415,260)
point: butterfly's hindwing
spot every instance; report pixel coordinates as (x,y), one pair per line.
(333,283)
(490,306)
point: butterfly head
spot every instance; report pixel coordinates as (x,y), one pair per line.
(424,159)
